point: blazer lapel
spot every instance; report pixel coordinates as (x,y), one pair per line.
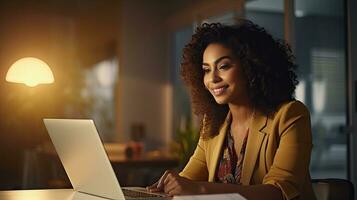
(254,143)
(217,148)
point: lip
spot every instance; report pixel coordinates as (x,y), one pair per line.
(217,91)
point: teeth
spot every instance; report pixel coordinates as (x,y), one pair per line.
(218,91)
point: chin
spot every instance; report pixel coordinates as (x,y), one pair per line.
(221,101)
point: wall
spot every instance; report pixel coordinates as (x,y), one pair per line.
(143,87)
(67,35)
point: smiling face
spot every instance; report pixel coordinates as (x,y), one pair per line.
(223,75)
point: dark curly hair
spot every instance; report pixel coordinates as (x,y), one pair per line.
(267,63)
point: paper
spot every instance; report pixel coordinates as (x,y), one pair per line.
(230,196)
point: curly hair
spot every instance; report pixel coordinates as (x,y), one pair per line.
(267,63)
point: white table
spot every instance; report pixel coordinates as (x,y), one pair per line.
(47,194)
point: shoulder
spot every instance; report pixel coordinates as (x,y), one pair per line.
(292,108)
(290,114)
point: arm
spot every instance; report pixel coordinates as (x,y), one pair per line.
(251,192)
(173,184)
(195,169)
(290,167)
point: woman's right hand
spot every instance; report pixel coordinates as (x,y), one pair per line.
(153,187)
(158,186)
(172,184)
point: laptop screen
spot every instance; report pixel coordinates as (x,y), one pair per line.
(82,154)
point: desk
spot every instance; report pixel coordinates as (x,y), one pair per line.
(49,194)
(44,170)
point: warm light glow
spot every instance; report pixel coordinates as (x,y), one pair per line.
(30,71)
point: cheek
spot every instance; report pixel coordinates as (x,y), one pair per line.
(205,81)
(236,78)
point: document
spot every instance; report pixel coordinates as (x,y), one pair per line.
(230,196)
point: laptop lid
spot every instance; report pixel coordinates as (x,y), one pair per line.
(82,154)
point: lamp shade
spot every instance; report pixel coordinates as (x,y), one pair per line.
(30,71)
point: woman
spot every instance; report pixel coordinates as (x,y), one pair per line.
(255,138)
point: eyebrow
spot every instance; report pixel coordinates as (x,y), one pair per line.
(217,61)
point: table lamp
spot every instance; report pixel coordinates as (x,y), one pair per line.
(30,71)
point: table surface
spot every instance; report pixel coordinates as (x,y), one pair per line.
(47,194)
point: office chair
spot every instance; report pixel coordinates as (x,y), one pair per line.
(333,189)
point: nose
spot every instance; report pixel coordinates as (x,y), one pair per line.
(214,77)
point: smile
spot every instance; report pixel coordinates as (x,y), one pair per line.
(219,91)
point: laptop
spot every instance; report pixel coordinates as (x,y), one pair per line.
(86,163)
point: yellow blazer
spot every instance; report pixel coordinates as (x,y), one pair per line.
(278,152)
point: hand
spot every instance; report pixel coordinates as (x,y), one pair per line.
(173,184)
(158,186)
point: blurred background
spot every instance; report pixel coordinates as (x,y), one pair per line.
(117,62)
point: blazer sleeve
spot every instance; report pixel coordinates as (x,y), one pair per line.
(291,162)
(196,168)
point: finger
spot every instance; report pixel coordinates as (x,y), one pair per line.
(170,175)
(155,190)
(171,184)
(163,177)
(160,182)
(175,191)
(167,179)
(152,186)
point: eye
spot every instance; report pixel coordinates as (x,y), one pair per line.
(205,70)
(224,66)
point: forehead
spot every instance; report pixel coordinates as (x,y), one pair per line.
(215,51)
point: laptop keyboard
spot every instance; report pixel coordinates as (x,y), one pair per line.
(132,193)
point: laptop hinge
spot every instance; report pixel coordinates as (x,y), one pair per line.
(94,195)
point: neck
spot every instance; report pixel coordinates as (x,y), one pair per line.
(241,113)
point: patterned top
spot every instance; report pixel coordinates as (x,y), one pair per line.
(230,166)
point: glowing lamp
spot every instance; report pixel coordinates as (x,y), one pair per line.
(30,71)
